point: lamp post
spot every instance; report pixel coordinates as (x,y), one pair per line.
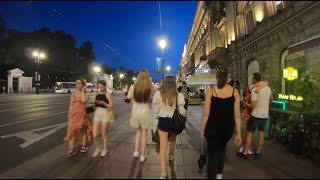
(97,70)
(38,56)
(121,76)
(168,69)
(162,44)
(134,79)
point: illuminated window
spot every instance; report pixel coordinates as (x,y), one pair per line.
(249,17)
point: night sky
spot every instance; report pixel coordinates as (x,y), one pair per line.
(123,33)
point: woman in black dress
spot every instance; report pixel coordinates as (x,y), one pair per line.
(221,114)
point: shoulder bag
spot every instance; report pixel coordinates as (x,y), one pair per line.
(178,122)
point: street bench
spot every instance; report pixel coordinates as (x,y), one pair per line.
(193,101)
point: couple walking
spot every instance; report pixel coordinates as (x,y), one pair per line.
(79,123)
(164,103)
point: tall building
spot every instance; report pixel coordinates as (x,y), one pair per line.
(255,36)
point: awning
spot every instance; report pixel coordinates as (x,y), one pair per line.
(303,45)
(202,79)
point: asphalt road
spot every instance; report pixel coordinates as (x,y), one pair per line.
(33,124)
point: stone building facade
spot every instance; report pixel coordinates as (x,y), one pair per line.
(255,36)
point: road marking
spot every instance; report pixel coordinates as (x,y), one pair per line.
(32,137)
(32,107)
(32,119)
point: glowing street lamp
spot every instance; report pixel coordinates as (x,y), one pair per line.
(134,78)
(38,56)
(162,44)
(168,69)
(121,76)
(97,69)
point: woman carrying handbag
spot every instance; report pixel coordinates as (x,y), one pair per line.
(164,103)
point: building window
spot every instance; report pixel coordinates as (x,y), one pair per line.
(278,6)
(249,17)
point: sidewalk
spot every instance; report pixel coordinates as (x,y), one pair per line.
(120,164)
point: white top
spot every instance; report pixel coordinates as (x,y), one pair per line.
(166,111)
(263,99)
(140,115)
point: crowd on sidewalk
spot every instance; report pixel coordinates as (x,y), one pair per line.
(221,117)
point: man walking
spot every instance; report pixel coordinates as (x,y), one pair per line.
(260,100)
(185,91)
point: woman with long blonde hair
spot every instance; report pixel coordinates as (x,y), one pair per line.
(140,93)
(164,103)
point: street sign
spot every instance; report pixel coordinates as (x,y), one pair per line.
(158,64)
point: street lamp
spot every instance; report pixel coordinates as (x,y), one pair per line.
(121,76)
(168,69)
(38,56)
(162,44)
(97,70)
(134,78)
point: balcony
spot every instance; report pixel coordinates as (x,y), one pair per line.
(217,56)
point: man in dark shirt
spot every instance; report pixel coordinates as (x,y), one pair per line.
(185,91)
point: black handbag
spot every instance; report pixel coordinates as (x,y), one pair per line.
(89,110)
(178,122)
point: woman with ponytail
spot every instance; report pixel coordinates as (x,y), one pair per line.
(220,116)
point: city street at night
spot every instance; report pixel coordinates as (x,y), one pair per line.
(160,89)
(33,128)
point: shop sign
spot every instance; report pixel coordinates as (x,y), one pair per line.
(290,73)
(290,97)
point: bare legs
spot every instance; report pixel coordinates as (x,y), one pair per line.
(137,141)
(95,133)
(172,144)
(163,149)
(104,130)
(105,126)
(260,142)
(141,134)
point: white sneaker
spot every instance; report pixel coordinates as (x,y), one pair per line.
(164,176)
(241,149)
(171,158)
(143,158)
(136,154)
(219,176)
(96,152)
(249,151)
(104,152)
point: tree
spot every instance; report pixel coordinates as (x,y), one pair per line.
(2,29)
(86,57)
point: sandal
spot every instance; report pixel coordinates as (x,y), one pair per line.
(84,149)
(72,152)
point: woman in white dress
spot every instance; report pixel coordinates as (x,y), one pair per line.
(140,93)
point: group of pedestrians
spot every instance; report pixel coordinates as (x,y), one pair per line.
(221,117)
(79,123)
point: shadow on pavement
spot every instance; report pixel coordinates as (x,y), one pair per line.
(139,174)
(132,168)
(173,172)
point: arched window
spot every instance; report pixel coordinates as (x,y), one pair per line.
(248,12)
